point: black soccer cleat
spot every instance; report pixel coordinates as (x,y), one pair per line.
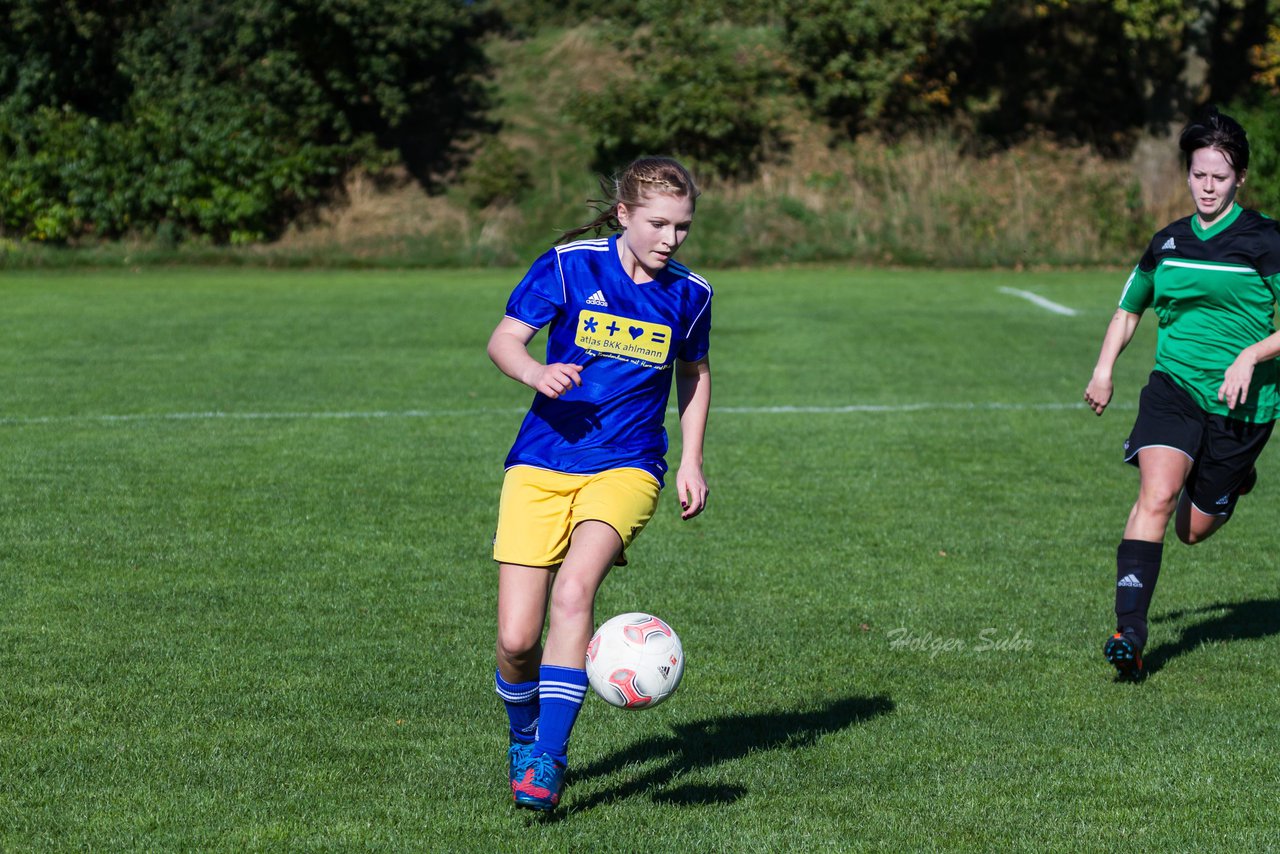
(1123,652)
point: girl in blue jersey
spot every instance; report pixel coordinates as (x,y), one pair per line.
(583,476)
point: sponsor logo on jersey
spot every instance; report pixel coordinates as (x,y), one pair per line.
(598,299)
(624,337)
(1169,246)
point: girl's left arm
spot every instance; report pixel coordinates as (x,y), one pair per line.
(693,394)
(1235,384)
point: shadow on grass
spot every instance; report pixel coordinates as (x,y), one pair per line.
(1252,620)
(712,741)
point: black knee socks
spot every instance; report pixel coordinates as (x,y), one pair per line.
(1137,568)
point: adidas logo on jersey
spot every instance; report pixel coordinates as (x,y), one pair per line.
(598,299)
(1129,580)
(1168,244)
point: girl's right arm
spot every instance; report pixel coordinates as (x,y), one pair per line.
(509,350)
(1119,333)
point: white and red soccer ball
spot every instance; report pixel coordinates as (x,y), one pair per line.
(634,661)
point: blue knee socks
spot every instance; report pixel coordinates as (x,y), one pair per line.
(562,691)
(521,700)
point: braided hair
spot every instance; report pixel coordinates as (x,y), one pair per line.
(642,178)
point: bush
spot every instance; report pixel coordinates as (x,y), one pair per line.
(695,90)
(523,17)
(497,174)
(222,119)
(1259,113)
(1097,72)
(864,59)
(206,166)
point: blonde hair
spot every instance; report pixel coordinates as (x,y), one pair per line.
(642,177)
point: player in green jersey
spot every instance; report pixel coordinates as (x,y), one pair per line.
(1212,280)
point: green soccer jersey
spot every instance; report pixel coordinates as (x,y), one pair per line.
(1214,291)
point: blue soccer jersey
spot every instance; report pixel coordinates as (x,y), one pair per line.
(626,336)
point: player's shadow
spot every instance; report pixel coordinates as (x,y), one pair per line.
(701,744)
(1251,620)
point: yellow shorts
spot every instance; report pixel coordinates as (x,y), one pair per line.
(540,508)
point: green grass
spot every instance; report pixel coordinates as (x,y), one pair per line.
(246,597)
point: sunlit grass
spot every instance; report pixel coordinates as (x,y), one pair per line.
(246,597)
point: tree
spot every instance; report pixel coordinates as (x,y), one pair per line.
(1103,72)
(696,89)
(222,117)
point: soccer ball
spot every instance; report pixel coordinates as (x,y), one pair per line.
(634,661)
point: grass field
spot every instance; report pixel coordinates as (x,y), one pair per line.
(246,598)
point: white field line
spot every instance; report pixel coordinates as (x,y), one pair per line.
(381,414)
(897,408)
(1046,304)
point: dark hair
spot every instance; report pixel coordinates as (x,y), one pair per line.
(641,177)
(1216,130)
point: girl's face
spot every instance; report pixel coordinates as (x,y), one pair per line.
(654,229)
(1213,182)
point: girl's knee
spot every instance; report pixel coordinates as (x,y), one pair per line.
(1157,502)
(572,597)
(1190,534)
(516,642)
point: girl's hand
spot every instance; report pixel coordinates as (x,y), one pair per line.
(1098,393)
(1235,383)
(555,379)
(691,489)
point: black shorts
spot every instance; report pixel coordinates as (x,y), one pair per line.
(1222,450)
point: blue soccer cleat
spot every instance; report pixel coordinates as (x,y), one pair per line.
(1123,652)
(518,755)
(540,782)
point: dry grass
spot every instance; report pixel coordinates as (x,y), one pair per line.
(917,200)
(923,200)
(373,213)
